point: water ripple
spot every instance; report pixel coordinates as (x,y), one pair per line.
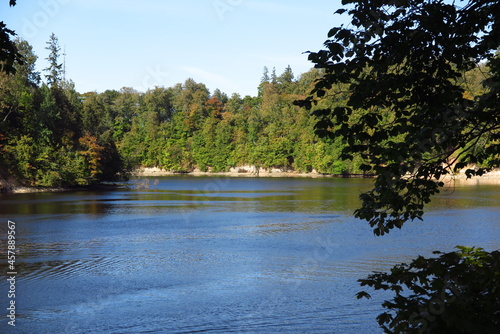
(66,269)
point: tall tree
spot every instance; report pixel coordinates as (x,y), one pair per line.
(27,69)
(54,70)
(407,115)
(265,75)
(221,96)
(287,76)
(274,78)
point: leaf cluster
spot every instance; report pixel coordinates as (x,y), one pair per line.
(456,292)
(8,51)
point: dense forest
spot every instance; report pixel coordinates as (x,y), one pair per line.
(52,135)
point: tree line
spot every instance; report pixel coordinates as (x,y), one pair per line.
(52,135)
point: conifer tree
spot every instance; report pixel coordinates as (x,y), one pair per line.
(265,75)
(54,70)
(287,75)
(273,76)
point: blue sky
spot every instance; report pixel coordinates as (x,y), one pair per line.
(224,44)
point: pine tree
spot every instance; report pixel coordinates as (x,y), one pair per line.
(54,70)
(287,75)
(265,76)
(273,76)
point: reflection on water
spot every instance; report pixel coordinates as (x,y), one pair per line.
(219,255)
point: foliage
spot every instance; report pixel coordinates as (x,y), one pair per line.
(91,151)
(43,141)
(9,54)
(184,127)
(397,77)
(412,90)
(456,292)
(26,71)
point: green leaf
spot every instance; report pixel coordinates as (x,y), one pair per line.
(363,294)
(332,32)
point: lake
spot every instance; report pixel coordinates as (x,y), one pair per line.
(188,254)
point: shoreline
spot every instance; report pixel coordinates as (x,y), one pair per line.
(11,189)
(491,178)
(244,171)
(460,179)
(251,171)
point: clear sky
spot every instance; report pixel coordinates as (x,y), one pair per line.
(224,44)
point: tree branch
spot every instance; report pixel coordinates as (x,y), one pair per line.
(5,118)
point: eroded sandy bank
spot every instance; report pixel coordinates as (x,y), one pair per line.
(492,177)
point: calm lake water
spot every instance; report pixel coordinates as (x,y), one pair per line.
(218,255)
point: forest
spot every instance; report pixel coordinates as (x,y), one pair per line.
(53,136)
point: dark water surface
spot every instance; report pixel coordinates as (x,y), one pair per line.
(218,255)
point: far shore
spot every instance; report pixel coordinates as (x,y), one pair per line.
(243,171)
(459,179)
(492,177)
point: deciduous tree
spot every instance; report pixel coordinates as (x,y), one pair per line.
(407,114)
(394,85)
